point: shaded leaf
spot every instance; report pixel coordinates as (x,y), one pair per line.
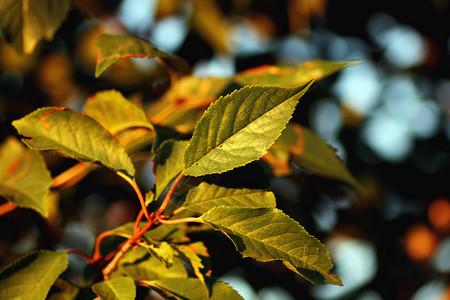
(25,23)
(221,290)
(206,196)
(267,234)
(118,288)
(180,288)
(24,178)
(65,290)
(290,76)
(184,103)
(190,253)
(168,163)
(312,154)
(75,135)
(114,112)
(238,128)
(31,276)
(112,48)
(139,265)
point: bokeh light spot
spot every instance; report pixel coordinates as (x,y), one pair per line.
(439,214)
(420,242)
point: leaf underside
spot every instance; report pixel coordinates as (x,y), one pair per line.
(114,112)
(24,178)
(112,48)
(238,128)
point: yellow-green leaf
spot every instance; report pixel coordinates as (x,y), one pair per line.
(206,196)
(267,234)
(238,128)
(31,276)
(290,76)
(75,135)
(114,112)
(24,178)
(118,288)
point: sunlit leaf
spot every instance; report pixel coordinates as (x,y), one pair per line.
(290,76)
(75,135)
(114,112)
(112,48)
(221,290)
(164,252)
(206,196)
(267,234)
(24,178)
(238,128)
(31,276)
(118,288)
(168,163)
(25,22)
(180,288)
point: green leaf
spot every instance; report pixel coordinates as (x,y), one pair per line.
(238,128)
(24,178)
(180,288)
(163,252)
(206,196)
(139,265)
(31,276)
(267,234)
(24,23)
(221,290)
(114,112)
(112,48)
(290,76)
(312,154)
(75,135)
(118,288)
(168,163)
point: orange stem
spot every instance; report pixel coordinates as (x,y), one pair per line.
(81,254)
(138,193)
(71,176)
(6,208)
(169,194)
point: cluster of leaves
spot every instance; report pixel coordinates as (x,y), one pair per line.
(230,122)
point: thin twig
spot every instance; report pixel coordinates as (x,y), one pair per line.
(138,192)
(169,194)
(71,176)
(6,208)
(81,254)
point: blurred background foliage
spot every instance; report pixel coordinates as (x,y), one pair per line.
(388,118)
